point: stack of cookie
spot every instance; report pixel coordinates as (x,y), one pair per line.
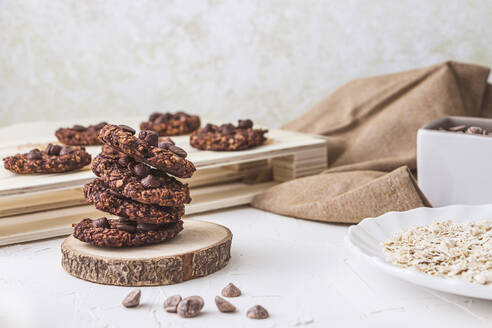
(134,183)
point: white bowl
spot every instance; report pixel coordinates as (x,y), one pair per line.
(455,168)
(366,237)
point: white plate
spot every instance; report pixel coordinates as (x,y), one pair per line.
(366,237)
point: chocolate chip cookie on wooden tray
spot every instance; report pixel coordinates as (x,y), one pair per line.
(228,137)
(80,135)
(53,159)
(169,124)
(150,203)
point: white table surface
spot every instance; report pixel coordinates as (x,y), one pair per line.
(301,271)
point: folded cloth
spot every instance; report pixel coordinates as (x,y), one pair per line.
(371,128)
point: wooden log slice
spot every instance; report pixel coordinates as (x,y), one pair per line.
(200,249)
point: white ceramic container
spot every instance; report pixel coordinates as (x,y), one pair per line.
(455,168)
(365,239)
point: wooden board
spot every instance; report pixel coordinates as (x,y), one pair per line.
(53,223)
(202,248)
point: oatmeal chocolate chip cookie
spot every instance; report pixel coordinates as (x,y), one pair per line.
(80,135)
(140,182)
(53,159)
(122,233)
(171,159)
(107,200)
(168,124)
(227,137)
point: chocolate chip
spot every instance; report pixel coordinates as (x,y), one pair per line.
(245,124)
(163,118)
(171,303)
(53,150)
(178,151)
(77,127)
(66,150)
(151,181)
(124,161)
(126,128)
(141,170)
(165,144)
(126,227)
(154,116)
(34,154)
(227,129)
(231,290)
(223,305)
(207,128)
(148,226)
(257,312)
(132,299)
(101,125)
(151,137)
(100,223)
(474,130)
(190,307)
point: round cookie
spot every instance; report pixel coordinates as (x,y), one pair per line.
(169,158)
(169,124)
(53,159)
(80,135)
(115,233)
(106,200)
(228,137)
(139,182)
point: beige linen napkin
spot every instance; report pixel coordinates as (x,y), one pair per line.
(371,129)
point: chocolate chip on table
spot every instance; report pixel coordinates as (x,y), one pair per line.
(126,128)
(34,154)
(257,312)
(151,181)
(151,137)
(101,223)
(141,170)
(66,150)
(190,307)
(231,290)
(171,303)
(245,124)
(132,299)
(223,305)
(178,151)
(77,127)
(53,150)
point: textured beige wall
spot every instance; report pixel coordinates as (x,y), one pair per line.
(224,59)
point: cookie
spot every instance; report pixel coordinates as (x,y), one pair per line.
(80,135)
(105,199)
(140,182)
(121,233)
(168,124)
(53,159)
(228,137)
(169,158)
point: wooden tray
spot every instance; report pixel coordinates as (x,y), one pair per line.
(41,206)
